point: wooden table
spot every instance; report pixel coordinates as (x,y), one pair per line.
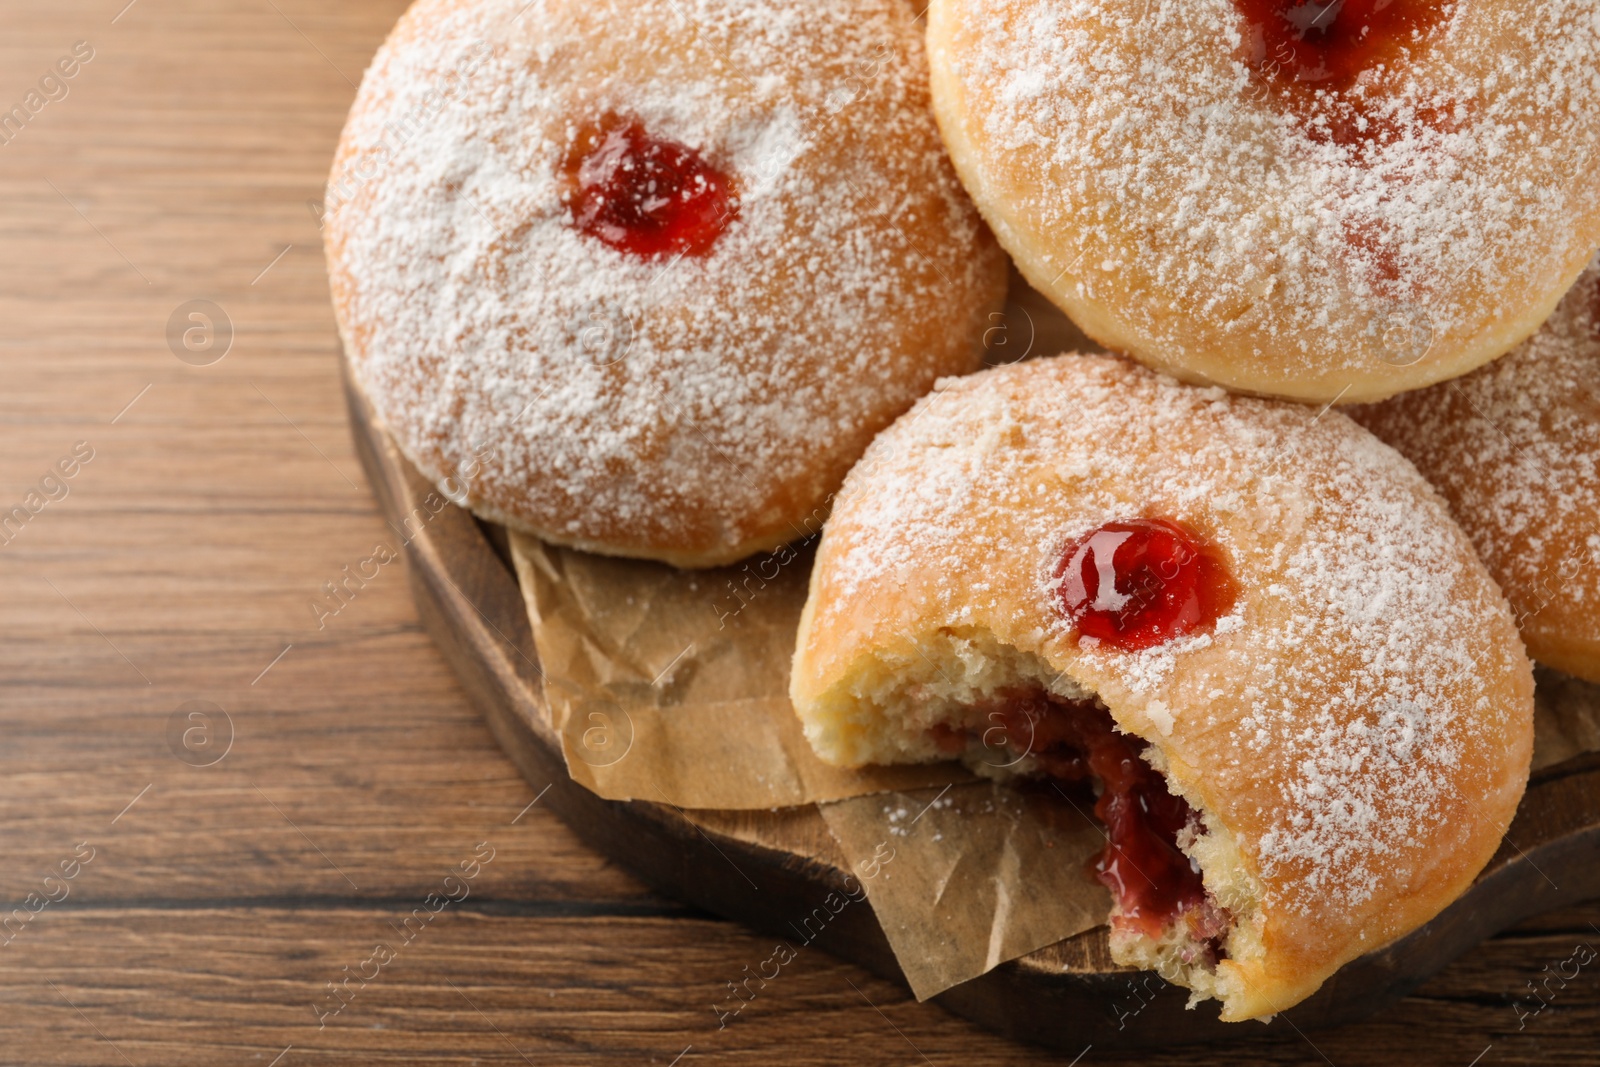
(217,889)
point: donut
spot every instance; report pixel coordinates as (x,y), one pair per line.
(1514,449)
(1319,201)
(646,282)
(1251,626)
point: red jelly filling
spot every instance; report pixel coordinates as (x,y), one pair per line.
(1330,43)
(1138,584)
(1153,882)
(646,195)
(1327,45)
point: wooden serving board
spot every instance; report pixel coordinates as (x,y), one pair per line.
(760,867)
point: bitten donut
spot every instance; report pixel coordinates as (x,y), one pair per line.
(1322,200)
(1514,448)
(646,281)
(1254,630)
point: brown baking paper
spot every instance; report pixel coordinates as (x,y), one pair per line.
(1566,718)
(980,874)
(673,686)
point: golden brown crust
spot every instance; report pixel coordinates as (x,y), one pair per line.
(1360,724)
(1148,181)
(695,410)
(1514,449)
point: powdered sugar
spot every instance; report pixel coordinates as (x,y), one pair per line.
(1346,712)
(700,404)
(1515,449)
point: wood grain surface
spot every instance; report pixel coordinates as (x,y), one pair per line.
(181,567)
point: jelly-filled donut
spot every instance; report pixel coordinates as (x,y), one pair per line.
(646,281)
(1329,199)
(1252,630)
(1514,449)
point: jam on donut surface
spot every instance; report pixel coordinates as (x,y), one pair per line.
(1330,43)
(1075,742)
(1313,47)
(646,195)
(1137,584)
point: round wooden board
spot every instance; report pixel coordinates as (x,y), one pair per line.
(764,868)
